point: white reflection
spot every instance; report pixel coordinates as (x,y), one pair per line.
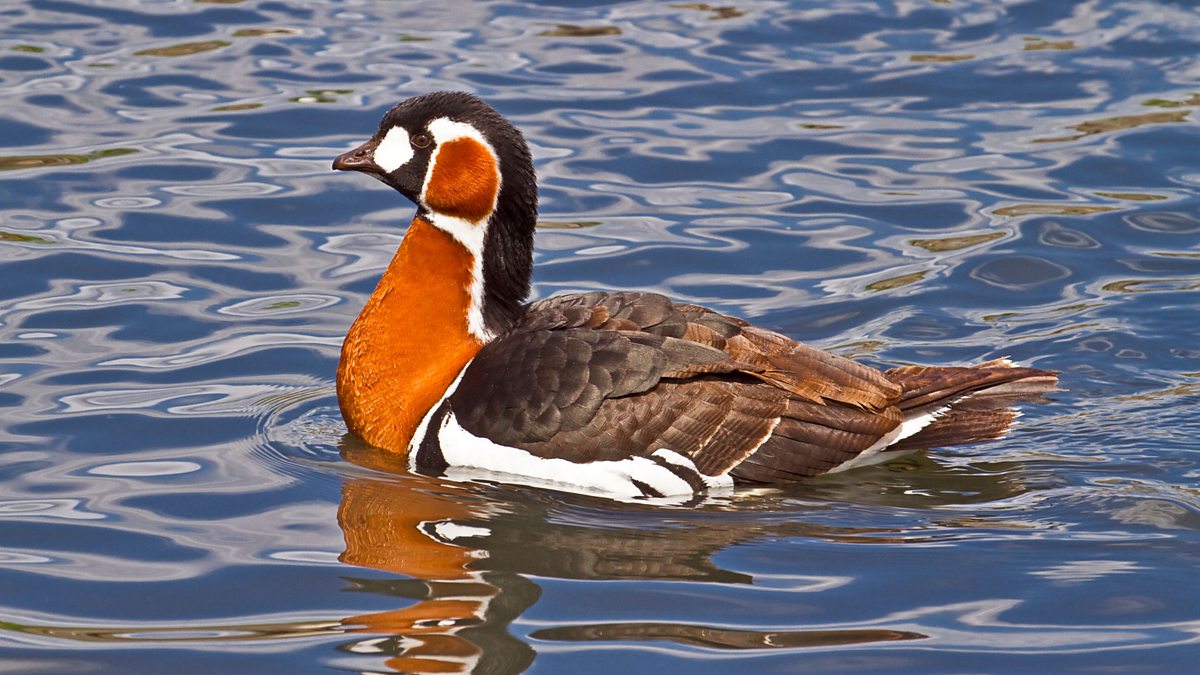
(145,469)
(1078,571)
(67,509)
(205,351)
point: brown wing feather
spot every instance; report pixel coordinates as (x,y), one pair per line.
(925,386)
(809,373)
(610,375)
(605,376)
(980,400)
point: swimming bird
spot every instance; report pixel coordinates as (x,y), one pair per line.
(622,394)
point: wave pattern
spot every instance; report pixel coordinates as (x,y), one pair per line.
(901,182)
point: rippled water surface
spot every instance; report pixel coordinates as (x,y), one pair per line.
(908,181)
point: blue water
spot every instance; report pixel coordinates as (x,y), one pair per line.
(913,181)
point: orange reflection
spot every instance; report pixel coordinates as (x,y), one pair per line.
(408,527)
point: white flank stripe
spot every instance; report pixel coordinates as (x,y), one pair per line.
(875,453)
(423,427)
(613,479)
(765,437)
(394,150)
(473,458)
(722,483)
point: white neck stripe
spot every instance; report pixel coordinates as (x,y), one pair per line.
(470,235)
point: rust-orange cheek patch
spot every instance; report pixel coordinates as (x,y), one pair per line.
(465,180)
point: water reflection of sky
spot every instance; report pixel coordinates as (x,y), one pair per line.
(901,181)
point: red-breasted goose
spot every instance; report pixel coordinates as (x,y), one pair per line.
(623,394)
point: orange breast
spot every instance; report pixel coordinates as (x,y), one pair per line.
(410,341)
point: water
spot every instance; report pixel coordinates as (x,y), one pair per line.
(908,181)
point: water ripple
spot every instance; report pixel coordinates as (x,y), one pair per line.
(902,182)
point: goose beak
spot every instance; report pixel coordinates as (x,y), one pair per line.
(358,159)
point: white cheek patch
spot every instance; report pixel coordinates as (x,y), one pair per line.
(394,150)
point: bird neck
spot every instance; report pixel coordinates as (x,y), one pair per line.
(508,265)
(411,340)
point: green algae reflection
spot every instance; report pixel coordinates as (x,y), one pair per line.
(1036,44)
(1108,124)
(717,12)
(184,49)
(1052,210)
(955,243)
(571,30)
(16,162)
(897,282)
(23,238)
(1190,101)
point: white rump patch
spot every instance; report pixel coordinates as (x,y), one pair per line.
(394,150)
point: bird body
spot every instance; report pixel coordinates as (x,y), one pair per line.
(623,394)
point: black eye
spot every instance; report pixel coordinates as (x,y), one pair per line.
(421,140)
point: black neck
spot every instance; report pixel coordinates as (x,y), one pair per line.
(508,257)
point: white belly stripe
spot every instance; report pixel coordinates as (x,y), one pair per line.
(423,427)
(614,478)
(875,453)
(471,457)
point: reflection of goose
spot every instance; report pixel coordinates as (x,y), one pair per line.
(470,559)
(623,394)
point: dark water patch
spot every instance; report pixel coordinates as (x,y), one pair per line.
(251,280)
(33,275)
(143,92)
(54,101)
(157,25)
(579,68)
(711,637)
(99,434)
(1054,234)
(337,77)
(1164,222)
(172,172)
(279,124)
(189,507)
(1020,273)
(24,64)
(150,226)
